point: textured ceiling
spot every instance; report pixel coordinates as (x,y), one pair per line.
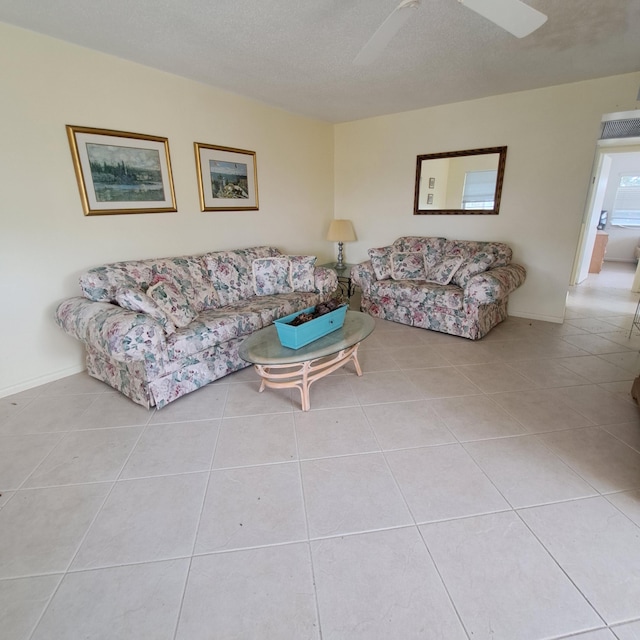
(298,55)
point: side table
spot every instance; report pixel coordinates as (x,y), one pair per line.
(345,284)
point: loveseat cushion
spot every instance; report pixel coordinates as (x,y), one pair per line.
(468,248)
(472,266)
(433,248)
(416,294)
(423,244)
(407,266)
(498,254)
(443,271)
(381,262)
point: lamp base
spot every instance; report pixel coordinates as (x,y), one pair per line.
(340,264)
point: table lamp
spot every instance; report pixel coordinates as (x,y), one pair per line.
(341,231)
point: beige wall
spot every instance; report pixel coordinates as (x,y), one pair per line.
(551,137)
(46,241)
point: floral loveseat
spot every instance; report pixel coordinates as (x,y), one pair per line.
(158,329)
(455,286)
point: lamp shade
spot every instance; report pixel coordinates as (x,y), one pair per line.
(341,231)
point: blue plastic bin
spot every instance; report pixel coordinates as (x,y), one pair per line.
(296,337)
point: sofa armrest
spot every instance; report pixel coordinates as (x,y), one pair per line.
(494,285)
(119,334)
(364,276)
(325,279)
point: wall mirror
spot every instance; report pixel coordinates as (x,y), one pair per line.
(460,182)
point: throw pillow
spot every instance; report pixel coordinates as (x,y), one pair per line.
(479,263)
(302,273)
(136,300)
(442,272)
(381,262)
(171,300)
(407,266)
(271,276)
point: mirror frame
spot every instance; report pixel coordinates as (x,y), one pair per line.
(502,159)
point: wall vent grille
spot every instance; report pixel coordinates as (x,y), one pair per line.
(628,128)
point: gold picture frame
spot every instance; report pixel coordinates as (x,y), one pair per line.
(121,172)
(227,178)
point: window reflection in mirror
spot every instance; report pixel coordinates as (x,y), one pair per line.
(460,182)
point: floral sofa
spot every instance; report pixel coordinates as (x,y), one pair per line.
(458,287)
(158,329)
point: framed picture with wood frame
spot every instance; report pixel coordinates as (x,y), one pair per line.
(227,178)
(121,172)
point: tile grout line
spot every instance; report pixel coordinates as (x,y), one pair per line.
(37,466)
(417,528)
(199,522)
(306,521)
(557,563)
(86,533)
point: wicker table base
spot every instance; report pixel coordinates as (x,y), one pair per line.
(304,374)
(283,368)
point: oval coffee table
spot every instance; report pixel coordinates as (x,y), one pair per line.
(284,368)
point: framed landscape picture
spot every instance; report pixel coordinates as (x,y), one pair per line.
(120,172)
(227,178)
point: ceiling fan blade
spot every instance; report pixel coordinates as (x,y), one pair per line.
(513,16)
(386,31)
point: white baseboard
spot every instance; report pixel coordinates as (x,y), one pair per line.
(535,316)
(36,382)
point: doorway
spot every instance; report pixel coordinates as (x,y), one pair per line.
(613,158)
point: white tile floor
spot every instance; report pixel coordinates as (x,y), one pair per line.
(485,490)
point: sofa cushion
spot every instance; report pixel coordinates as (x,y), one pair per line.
(231,272)
(302,273)
(416,294)
(231,275)
(442,272)
(190,274)
(100,284)
(381,262)
(212,327)
(136,300)
(170,299)
(407,266)
(271,276)
(284,274)
(270,308)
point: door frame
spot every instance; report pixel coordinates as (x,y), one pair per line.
(599,178)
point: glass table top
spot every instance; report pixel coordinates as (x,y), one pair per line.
(263,346)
